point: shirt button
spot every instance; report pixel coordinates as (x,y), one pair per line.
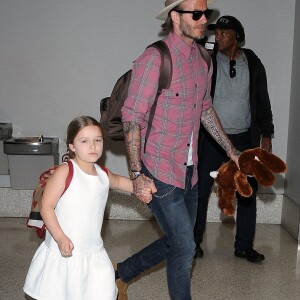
(188,145)
(185,164)
(194,105)
(196,85)
(177,94)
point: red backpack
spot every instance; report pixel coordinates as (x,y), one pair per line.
(35,219)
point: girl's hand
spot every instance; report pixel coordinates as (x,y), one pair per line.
(65,246)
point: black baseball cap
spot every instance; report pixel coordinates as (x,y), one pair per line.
(227,22)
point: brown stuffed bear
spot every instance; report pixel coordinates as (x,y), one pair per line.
(253,162)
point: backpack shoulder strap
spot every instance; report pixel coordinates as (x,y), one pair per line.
(70,175)
(205,55)
(104,169)
(165,78)
(166,68)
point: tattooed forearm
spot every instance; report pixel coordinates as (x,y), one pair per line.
(132,135)
(212,124)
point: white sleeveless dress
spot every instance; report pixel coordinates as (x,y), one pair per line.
(88,274)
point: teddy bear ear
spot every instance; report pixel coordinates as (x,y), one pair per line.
(271,161)
(262,174)
(242,184)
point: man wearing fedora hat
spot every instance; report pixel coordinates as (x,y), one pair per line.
(170,159)
(241,99)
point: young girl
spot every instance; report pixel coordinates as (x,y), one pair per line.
(72,264)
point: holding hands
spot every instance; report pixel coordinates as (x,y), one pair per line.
(143,188)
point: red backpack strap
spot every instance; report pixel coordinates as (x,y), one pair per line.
(104,169)
(70,175)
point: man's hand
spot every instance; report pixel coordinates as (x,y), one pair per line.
(266,144)
(143,188)
(234,155)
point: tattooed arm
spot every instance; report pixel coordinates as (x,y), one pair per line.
(132,134)
(212,124)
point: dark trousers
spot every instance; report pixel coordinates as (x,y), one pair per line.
(211,157)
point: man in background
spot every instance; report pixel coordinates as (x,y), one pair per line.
(241,100)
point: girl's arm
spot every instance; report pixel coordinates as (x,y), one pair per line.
(125,184)
(119,182)
(54,188)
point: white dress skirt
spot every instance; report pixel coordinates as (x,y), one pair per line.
(88,274)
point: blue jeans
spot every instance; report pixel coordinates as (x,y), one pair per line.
(175,211)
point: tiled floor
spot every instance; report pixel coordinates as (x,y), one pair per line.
(217,276)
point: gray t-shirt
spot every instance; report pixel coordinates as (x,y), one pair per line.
(231,98)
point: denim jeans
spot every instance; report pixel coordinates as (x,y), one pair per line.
(175,211)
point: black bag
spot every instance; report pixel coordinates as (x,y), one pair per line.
(110,107)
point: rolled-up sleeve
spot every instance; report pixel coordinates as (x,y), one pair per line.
(207,100)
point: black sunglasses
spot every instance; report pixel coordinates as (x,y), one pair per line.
(197,14)
(232,70)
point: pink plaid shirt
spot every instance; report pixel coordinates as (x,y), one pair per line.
(178,110)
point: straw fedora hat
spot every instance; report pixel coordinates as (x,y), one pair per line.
(170,4)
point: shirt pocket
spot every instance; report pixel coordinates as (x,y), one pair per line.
(174,102)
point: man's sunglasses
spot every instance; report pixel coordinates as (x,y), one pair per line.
(232,70)
(197,14)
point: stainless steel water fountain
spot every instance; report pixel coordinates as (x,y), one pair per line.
(28,157)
